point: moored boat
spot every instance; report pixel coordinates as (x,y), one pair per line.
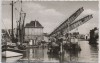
(10,53)
(12,49)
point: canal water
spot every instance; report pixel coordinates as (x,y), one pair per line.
(88,54)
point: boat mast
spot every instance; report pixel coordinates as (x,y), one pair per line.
(12,23)
(21,24)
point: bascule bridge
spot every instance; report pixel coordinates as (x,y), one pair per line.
(70,23)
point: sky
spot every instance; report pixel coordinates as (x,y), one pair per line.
(51,13)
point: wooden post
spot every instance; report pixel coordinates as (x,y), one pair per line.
(61,50)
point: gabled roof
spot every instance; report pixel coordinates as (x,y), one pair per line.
(33,24)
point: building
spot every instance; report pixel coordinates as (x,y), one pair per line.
(34,32)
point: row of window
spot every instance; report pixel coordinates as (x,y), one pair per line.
(33,31)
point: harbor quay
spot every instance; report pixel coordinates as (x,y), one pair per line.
(73,49)
(42,32)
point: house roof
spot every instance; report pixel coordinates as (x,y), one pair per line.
(33,24)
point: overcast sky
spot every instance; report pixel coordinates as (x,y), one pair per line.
(51,14)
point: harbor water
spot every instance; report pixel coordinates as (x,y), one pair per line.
(88,54)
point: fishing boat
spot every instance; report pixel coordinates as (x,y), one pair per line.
(15,47)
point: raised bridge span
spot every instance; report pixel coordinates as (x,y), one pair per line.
(70,23)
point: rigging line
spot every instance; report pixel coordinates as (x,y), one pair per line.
(15,2)
(16,14)
(16,9)
(5,28)
(21,10)
(21,6)
(3,24)
(11,3)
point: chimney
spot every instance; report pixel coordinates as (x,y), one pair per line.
(35,23)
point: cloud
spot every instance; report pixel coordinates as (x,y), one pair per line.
(35,9)
(88,11)
(48,17)
(50,12)
(33,6)
(51,18)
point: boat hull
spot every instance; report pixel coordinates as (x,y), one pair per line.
(9,54)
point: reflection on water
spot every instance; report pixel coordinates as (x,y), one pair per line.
(73,55)
(94,52)
(88,53)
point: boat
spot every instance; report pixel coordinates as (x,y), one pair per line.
(15,47)
(53,48)
(11,59)
(72,42)
(9,54)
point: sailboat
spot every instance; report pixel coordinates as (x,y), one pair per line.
(15,49)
